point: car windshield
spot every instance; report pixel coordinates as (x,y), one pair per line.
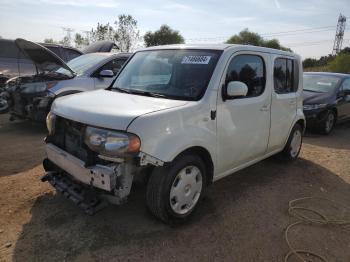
(175,74)
(80,64)
(320,83)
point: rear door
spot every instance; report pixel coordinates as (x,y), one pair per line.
(115,65)
(344,100)
(284,100)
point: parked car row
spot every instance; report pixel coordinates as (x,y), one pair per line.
(30,96)
(178,117)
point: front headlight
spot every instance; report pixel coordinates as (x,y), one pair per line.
(314,106)
(111,143)
(50,122)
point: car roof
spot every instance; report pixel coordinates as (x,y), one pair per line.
(328,74)
(220,47)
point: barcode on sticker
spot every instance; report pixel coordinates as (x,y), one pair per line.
(196,59)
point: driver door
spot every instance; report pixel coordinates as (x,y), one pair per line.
(243,123)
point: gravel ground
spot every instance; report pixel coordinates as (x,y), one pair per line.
(242,218)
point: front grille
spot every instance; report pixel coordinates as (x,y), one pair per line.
(69,136)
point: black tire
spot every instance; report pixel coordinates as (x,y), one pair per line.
(326,127)
(289,153)
(161,182)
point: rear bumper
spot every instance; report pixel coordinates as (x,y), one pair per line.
(99,176)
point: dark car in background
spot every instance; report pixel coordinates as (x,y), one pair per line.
(326,100)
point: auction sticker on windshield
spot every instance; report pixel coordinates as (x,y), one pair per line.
(196,59)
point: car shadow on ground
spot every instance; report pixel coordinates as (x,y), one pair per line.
(242,218)
(23,141)
(340,131)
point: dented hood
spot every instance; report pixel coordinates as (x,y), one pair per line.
(43,58)
(109,109)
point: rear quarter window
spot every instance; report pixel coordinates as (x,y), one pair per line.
(286,75)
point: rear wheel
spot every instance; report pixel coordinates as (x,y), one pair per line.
(328,124)
(174,191)
(292,149)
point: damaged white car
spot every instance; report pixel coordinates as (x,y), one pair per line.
(181,116)
(31,96)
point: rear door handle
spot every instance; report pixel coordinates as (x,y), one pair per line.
(292,102)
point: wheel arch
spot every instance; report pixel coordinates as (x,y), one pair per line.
(205,156)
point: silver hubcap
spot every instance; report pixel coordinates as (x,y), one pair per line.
(295,143)
(186,190)
(329,122)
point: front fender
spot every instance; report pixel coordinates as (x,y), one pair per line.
(167,133)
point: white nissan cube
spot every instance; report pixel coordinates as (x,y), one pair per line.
(180,117)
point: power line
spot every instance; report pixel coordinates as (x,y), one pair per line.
(282,33)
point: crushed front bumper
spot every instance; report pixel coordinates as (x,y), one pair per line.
(90,187)
(99,176)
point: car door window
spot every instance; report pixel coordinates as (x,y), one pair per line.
(115,65)
(249,69)
(346,85)
(285,76)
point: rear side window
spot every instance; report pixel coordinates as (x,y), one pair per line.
(286,75)
(249,69)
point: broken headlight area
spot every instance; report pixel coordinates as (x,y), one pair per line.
(74,162)
(111,144)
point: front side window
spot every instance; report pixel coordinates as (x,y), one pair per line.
(285,76)
(249,69)
(114,65)
(176,74)
(346,85)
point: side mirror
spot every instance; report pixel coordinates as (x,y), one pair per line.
(106,73)
(236,89)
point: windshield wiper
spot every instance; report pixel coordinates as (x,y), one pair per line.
(122,90)
(138,92)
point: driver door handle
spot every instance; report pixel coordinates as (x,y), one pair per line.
(265,108)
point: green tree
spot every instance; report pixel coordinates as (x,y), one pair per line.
(246,37)
(65,41)
(80,40)
(126,33)
(102,32)
(341,64)
(49,41)
(164,36)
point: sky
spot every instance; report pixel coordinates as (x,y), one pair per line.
(307,27)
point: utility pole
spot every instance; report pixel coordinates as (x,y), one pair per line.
(339,35)
(68,34)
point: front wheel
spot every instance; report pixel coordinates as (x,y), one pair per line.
(328,124)
(292,149)
(174,191)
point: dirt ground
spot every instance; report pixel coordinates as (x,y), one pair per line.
(242,218)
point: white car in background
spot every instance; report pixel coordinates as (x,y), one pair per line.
(183,116)
(31,96)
